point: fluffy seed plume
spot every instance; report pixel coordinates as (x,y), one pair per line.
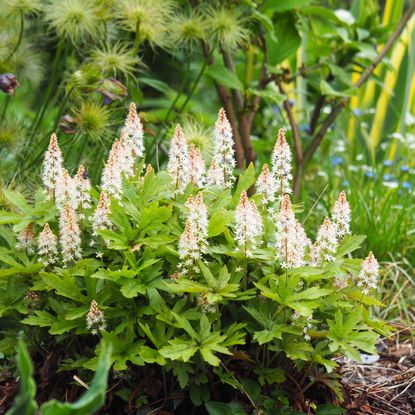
(26,238)
(132,133)
(52,167)
(47,246)
(341,216)
(369,274)
(69,235)
(266,185)
(281,163)
(248,225)
(326,243)
(179,164)
(65,191)
(100,217)
(291,238)
(197,166)
(83,190)
(95,319)
(224,152)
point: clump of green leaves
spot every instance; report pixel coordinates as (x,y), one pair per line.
(189,279)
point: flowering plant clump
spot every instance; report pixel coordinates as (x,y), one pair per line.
(183,271)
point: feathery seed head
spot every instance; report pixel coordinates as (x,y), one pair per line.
(92,119)
(115,60)
(227,27)
(76,20)
(149,17)
(187,30)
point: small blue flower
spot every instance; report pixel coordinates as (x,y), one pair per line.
(370,174)
(304,127)
(276,109)
(345,183)
(335,161)
(387,163)
(407,185)
(404,168)
(387,177)
(357,112)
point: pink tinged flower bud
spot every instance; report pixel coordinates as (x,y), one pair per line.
(248,225)
(95,319)
(291,238)
(100,218)
(267,185)
(178,165)
(111,179)
(132,133)
(65,191)
(341,216)
(52,167)
(8,83)
(197,167)
(281,163)
(69,235)
(83,189)
(47,246)
(369,274)
(326,243)
(215,175)
(223,150)
(26,239)
(193,241)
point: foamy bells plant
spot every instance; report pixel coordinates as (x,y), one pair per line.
(186,272)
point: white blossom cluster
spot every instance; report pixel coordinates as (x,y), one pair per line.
(197,167)
(66,191)
(267,185)
(83,191)
(47,246)
(215,176)
(69,235)
(178,165)
(223,150)
(248,225)
(326,244)
(132,133)
(369,274)
(100,217)
(193,241)
(52,167)
(281,164)
(291,239)
(341,216)
(26,238)
(95,319)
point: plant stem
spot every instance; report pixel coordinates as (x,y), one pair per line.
(6,105)
(19,40)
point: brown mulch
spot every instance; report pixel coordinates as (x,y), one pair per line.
(384,387)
